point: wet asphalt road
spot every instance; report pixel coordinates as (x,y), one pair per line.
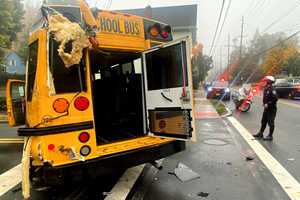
(218,157)
(286,144)
(10,154)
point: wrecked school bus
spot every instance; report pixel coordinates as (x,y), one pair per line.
(103,90)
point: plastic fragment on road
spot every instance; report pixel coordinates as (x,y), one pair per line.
(184,173)
(66,32)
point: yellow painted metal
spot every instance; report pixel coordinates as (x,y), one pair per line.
(120,31)
(9,105)
(40,112)
(87,14)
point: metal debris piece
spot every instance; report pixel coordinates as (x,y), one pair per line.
(203,194)
(249,158)
(67,32)
(228,163)
(184,173)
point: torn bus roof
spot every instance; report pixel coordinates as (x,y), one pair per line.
(64,32)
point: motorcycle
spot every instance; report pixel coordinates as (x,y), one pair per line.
(243,102)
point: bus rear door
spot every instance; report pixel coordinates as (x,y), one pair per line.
(168,90)
(15,102)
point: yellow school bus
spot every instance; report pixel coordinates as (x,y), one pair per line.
(127,101)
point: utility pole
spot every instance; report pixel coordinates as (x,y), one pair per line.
(228,52)
(220,67)
(228,58)
(242,36)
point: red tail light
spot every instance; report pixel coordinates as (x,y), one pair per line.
(154,30)
(84,137)
(51,147)
(81,103)
(166,32)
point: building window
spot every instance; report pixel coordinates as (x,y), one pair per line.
(13,63)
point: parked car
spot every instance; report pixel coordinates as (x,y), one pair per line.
(218,90)
(287,88)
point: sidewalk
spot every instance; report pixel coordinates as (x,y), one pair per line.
(204,109)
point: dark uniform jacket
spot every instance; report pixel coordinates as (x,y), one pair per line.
(270,97)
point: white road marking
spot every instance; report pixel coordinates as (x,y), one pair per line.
(11,140)
(125,184)
(288,183)
(10,179)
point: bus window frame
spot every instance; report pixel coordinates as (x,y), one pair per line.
(83,77)
(29,92)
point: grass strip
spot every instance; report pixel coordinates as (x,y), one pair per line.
(219,106)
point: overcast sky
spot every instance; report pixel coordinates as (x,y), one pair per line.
(283,14)
(258,14)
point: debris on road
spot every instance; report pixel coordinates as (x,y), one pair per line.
(291,159)
(228,163)
(203,194)
(184,173)
(249,158)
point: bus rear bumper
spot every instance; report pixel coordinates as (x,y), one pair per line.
(107,165)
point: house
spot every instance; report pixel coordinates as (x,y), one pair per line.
(182,19)
(13,64)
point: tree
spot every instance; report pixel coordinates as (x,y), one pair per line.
(277,58)
(255,62)
(292,66)
(11,13)
(201,64)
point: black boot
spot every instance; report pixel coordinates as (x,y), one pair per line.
(269,138)
(258,135)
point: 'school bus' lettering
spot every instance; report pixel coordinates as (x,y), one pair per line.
(120,26)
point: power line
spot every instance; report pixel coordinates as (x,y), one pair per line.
(254,8)
(250,7)
(281,17)
(224,20)
(263,52)
(216,31)
(258,8)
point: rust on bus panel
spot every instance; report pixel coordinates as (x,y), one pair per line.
(65,32)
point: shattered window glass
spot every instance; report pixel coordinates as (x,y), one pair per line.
(65,80)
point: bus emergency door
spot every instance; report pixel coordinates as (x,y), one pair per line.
(168,90)
(15,102)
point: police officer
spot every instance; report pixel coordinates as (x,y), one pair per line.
(270,108)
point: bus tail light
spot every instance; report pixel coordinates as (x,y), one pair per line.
(81,103)
(166,32)
(84,137)
(85,150)
(51,147)
(60,105)
(155,30)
